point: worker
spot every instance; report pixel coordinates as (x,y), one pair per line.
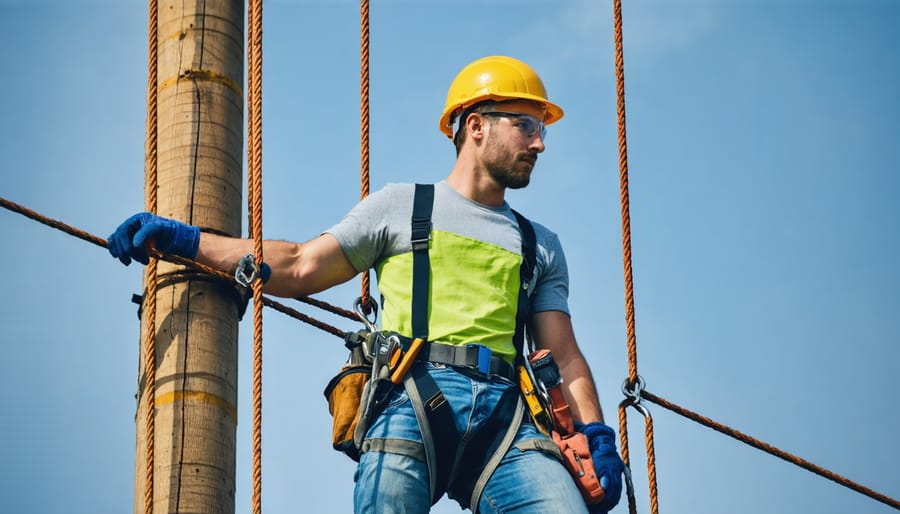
(497,112)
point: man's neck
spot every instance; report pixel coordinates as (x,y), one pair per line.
(475,184)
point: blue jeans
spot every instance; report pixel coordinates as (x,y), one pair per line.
(529,481)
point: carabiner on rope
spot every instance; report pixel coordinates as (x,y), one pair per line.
(360,312)
(632,391)
(247,270)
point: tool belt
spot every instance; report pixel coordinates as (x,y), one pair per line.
(470,357)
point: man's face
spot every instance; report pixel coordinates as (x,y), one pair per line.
(513,142)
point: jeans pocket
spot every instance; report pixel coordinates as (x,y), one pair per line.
(397,397)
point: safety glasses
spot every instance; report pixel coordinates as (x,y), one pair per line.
(527,123)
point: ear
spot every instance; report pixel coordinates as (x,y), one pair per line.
(475,126)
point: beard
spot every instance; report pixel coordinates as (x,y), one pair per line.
(510,169)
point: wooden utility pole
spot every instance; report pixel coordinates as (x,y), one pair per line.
(199,161)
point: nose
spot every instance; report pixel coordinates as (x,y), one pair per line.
(537,142)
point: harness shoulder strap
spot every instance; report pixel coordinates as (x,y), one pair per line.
(526,273)
(423,203)
(435,417)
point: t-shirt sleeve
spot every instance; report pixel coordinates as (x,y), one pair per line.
(551,291)
(363,232)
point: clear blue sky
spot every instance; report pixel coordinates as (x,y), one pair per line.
(764,145)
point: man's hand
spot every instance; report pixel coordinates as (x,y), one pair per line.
(137,233)
(607,463)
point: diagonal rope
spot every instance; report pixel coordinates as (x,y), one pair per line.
(152,274)
(254,195)
(99,241)
(768,448)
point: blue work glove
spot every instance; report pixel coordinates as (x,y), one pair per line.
(166,235)
(607,463)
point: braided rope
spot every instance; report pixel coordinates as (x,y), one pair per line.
(151,191)
(626,457)
(651,465)
(623,185)
(364,128)
(651,454)
(254,178)
(99,241)
(626,259)
(632,340)
(768,448)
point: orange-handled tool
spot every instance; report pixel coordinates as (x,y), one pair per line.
(407,360)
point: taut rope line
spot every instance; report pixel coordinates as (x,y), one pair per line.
(254,189)
(152,267)
(772,450)
(365,295)
(633,378)
(99,241)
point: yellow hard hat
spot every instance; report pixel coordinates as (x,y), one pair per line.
(495,78)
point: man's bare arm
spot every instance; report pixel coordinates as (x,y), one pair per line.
(298,269)
(553,331)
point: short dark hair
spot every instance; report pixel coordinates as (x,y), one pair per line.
(460,137)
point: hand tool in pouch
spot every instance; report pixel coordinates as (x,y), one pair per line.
(573,445)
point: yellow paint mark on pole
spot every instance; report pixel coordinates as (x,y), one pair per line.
(198,397)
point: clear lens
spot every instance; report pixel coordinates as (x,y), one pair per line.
(527,123)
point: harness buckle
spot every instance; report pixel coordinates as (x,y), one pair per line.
(421,233)
(484,358)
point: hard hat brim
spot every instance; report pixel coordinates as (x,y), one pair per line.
(552,112)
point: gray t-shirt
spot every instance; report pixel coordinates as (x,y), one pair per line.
(379,228)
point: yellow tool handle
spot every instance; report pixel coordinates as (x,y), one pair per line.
(407,360)
(538,414)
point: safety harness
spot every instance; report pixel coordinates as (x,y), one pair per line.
(448,458)
(379,361)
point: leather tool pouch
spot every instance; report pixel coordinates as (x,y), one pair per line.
(576,457)
(344,394)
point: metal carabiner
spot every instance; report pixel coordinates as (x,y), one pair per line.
(358,308)
(247,270)
(633,391)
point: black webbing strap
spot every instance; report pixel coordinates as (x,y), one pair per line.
(526,273)
(482,446)
(444,437)
(423,201)
(441,421)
